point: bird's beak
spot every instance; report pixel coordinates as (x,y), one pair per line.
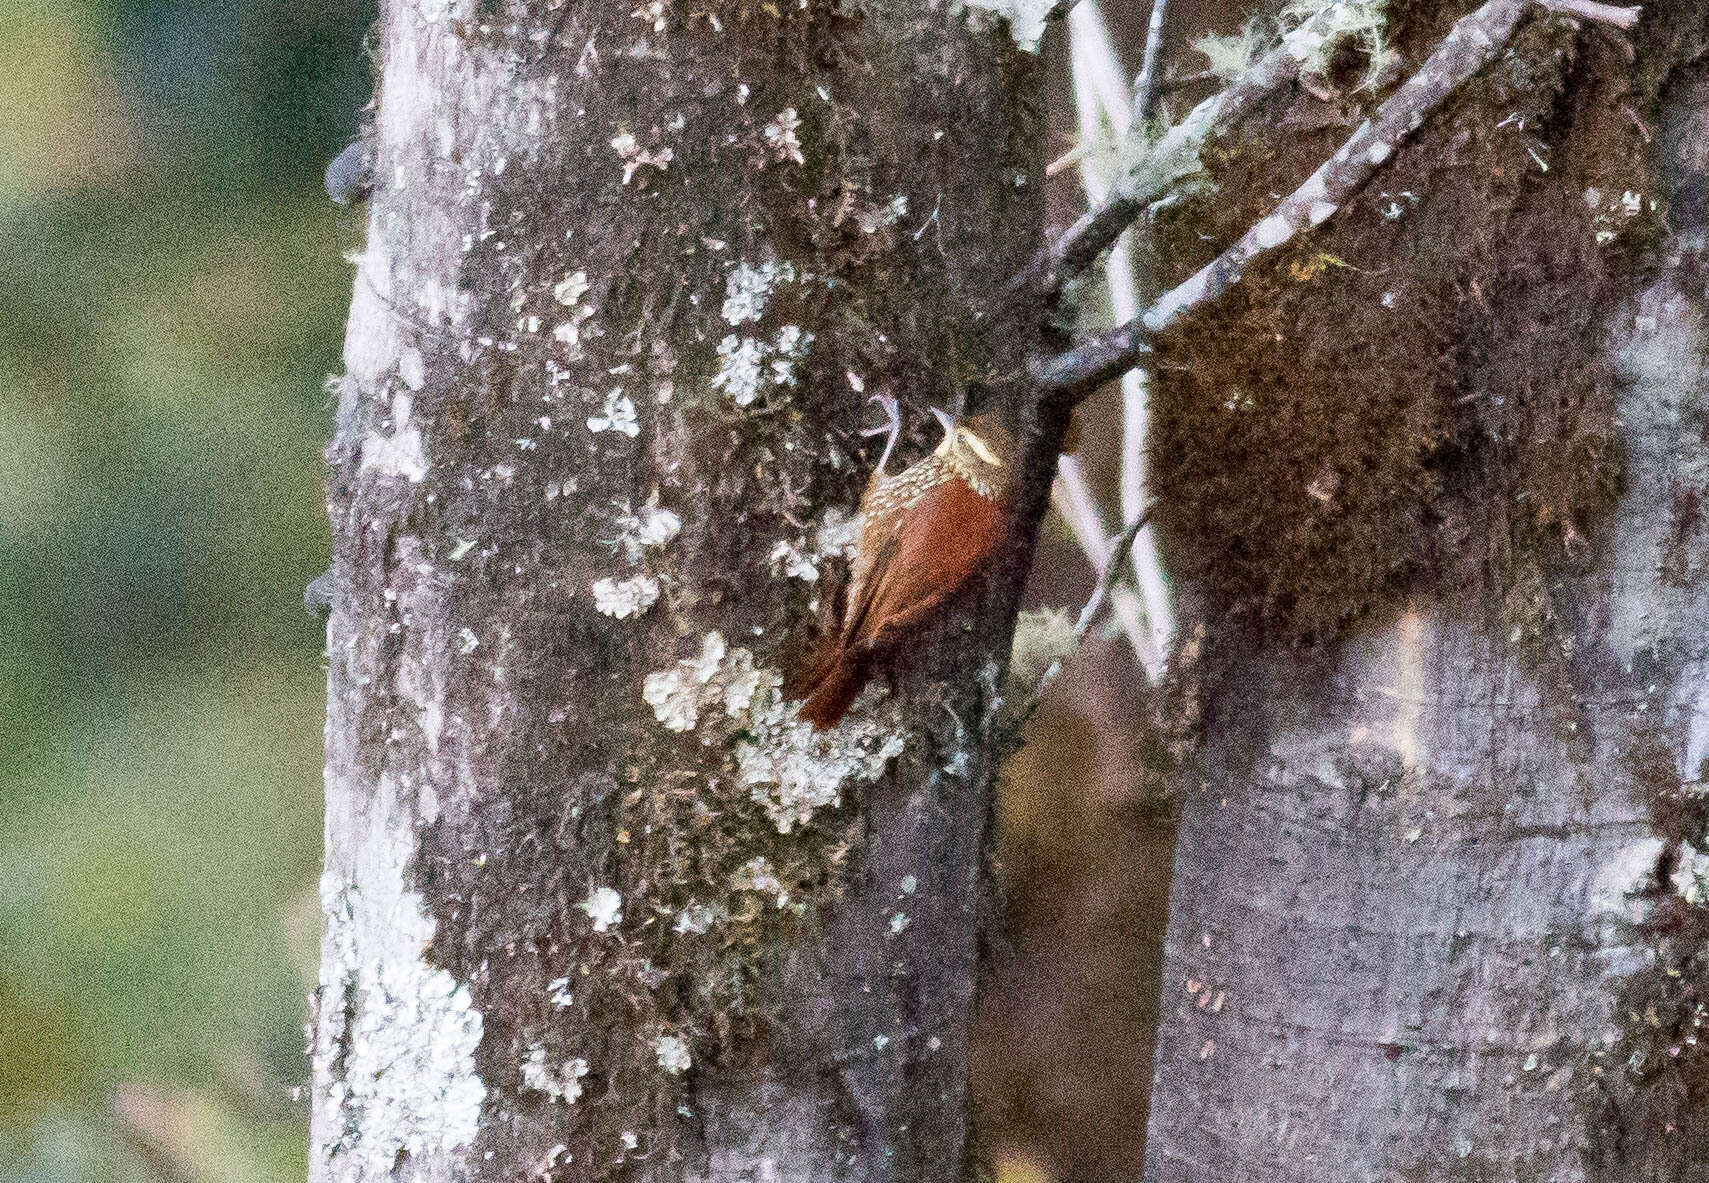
(980,449)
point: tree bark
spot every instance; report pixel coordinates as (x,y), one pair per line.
(1438,909)
(596,905)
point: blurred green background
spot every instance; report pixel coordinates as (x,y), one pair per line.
(172,297)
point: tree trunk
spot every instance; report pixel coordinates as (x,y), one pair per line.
(595,903)
(1438,900)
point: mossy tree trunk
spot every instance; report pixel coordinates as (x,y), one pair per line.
(596,905)
(1439,899)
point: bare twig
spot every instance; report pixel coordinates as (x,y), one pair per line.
(1174,155)
(1473,43)
(1073,499)
(1145,86)
(1182,81)
(1101,103)
(1607,14)
(1118,556)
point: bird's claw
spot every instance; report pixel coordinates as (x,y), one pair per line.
(891,428)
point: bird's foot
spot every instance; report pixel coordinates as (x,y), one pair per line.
(891,427)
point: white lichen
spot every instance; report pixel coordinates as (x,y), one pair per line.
(558,991)
(411,368)
(748,288)
(788,348)
(873,218)
(623,598)
(1042,638)
(697,918)
(792,769)
(787,766)
(758,875)
(563,1085)
(400,453)
(743,362)
(782,136)
(635,157)
(673,1055)
(646,529)
(571,288)
(1691,875)
(740,362)
(1027,18)
(788,559)
(604,906)
(407,1083)
(1228,55)
(617,415)
(1363,22)
(677,694)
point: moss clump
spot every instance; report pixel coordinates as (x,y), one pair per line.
(1418,394)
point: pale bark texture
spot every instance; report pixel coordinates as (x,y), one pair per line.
(596,905)
(1438,903)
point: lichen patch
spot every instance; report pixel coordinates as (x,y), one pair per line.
(408,1085)
(1027,19)
(787,766)
(623,598)
(563,1083)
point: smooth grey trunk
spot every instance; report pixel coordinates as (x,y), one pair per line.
(1438,917)
(596,905)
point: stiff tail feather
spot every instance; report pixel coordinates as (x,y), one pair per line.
(831,695)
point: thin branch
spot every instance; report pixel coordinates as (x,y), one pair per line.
(1174,155)
(1072,497)
(1100,86)
(1118,556)
(1145,86)
(1102,102)
(1182,81)
(1607,14)
(1472,44)
(1177,151)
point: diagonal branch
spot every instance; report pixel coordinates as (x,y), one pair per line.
(1171,158)
(1590,10)
(1176,154)
(1102,101)
(1111,571)
(1472,44)
(1072,497)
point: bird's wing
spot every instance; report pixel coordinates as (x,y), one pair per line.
(944,540)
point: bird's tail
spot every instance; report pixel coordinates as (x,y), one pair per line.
(829,684)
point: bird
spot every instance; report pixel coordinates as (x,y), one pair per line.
(925,533)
